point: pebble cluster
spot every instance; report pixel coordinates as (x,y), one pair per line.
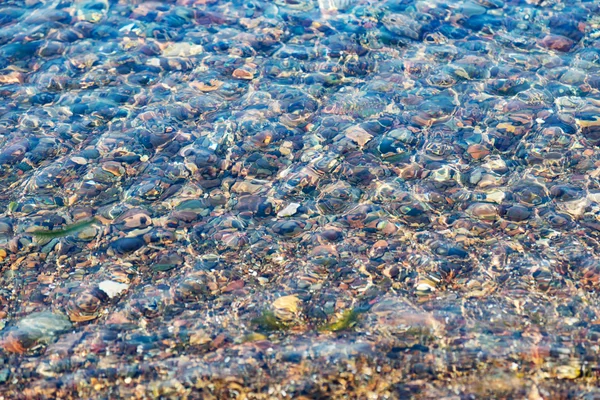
(300,199)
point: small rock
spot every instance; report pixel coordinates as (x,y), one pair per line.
(244,72)
(517,213)
(233,286)
(286,307)
(88,233)
(478,151)
(557,42)
(112,288)
(4,375)
(358,135)
(289,210)
(483,211)
(567,372)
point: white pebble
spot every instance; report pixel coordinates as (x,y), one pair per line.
(112,288)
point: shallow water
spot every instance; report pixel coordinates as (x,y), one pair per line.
(299,199)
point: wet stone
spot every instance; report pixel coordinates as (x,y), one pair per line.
(37,328)
(557,42)
(126,245)
(167,262)
(517,213)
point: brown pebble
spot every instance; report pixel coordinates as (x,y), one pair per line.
(241,73)
(557,42)
(477,151)
(219,340)
(235,285)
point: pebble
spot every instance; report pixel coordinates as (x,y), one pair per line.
(112,288)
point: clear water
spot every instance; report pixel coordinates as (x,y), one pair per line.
(299,199)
